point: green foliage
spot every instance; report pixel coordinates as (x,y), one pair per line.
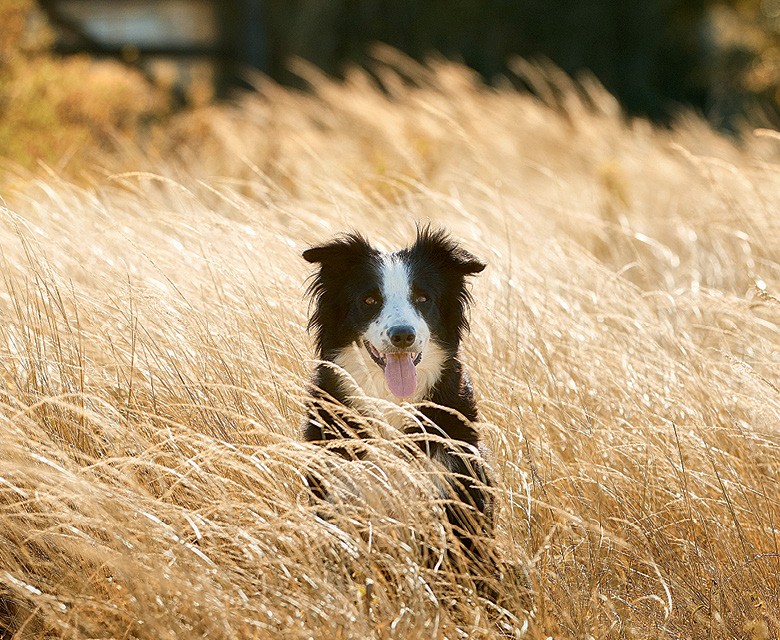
(745,69)
(722,58)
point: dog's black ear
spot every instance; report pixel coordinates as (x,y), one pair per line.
(439,246)
(467,262)
(341,249)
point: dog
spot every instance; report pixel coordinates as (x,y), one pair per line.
(388,326)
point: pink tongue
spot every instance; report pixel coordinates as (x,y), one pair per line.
(400,374)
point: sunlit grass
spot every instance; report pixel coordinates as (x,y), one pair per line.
(624,349)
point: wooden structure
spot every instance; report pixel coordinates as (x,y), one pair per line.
(228,34)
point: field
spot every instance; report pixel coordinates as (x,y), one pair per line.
(624,348)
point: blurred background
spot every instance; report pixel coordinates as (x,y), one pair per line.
(92,68)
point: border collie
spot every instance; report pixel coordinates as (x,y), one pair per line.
(388,326)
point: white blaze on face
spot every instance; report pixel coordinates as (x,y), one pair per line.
(397,308)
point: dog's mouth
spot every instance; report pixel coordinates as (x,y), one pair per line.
(381,358)
(399,367)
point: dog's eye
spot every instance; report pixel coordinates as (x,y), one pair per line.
(421,297)
(370,300)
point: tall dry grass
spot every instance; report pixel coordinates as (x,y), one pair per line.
(624,349)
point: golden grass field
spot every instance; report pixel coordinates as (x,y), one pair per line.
(624,348)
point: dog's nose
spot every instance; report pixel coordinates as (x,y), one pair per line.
(402,336)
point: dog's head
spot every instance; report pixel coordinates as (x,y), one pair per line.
(393,305)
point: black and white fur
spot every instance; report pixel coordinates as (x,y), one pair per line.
(370,306)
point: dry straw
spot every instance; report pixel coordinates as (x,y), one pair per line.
(624,348)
